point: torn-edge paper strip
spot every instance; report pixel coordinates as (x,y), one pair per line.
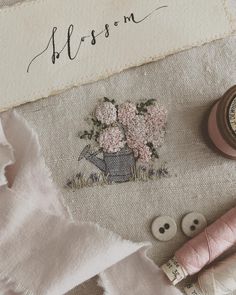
(47,46)
(44,252)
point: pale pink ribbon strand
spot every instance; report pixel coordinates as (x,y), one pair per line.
(208,245)
(43,251)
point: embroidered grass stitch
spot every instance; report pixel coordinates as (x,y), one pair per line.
(139,174)
(128,136)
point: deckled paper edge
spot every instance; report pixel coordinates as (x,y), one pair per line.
(69,85)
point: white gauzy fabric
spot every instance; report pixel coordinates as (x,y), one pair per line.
(188,84)
(42,251)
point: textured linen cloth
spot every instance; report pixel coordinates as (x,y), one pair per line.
(188,84)
(200,179)
(41,250)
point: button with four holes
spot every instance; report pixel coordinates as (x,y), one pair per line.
(164,228)
(193,223)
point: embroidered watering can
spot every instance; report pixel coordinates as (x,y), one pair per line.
(118,167)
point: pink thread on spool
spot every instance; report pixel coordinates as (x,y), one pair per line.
(203,249)
(222,124)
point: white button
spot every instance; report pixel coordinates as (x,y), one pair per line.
(193,223)
(164,228)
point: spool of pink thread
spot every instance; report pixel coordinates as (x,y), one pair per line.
(222,124)
(203,249)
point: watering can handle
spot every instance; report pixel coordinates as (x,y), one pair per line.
(86,150)
(96,153)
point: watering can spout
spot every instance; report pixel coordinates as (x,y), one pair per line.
(92,158)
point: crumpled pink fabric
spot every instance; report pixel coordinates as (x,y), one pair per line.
(42,250)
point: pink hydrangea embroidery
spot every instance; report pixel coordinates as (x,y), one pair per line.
(111,140)
(137,130)
(139,126)
(136,136)
(156,115)
(145,154)
(126,113)
(141,150)
(106,113)
(156,119)
(134,144)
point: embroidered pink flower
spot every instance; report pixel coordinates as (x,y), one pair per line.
(111,140)
(145,155)
(106,113)
(141,151)
(137,138)
(134,144)
(126,113)
(156,119)
(157,115)
(137,130)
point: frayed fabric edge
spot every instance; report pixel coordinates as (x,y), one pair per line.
(13,115)
(6,147)
(47,171)
(103,281)
(9,282)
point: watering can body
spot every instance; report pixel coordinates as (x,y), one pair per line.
(118,167)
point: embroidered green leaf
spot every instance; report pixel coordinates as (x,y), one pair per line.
(87,134)
(150,102)
(96,122)
(106,99)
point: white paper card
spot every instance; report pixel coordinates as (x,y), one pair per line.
(47,46)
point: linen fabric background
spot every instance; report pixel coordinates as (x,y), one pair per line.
(187,83)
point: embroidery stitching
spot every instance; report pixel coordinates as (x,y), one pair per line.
(128,136)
